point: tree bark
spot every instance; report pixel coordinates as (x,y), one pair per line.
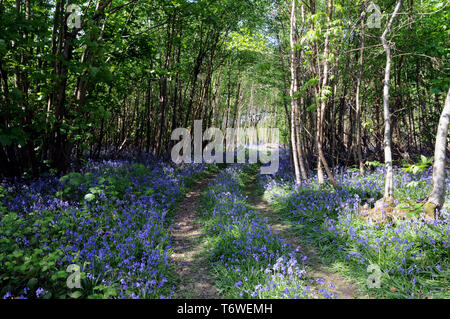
(293,89)
(389,180)
(323,104)
(437,195)
(357,102)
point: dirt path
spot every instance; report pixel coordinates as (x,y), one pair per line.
(317,273)
(192,266)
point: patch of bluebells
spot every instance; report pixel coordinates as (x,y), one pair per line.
(121,241)
(249,259)
(409,252)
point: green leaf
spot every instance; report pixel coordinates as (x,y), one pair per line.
(32,283)
(17,253)
(89,197)
(76,179)
(76,294)
(109,292)
(312,107)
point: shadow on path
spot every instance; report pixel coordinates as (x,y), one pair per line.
(192,266)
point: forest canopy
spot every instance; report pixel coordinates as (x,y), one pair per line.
(82,77)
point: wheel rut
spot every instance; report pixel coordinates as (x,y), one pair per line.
(195,280)
(317,273)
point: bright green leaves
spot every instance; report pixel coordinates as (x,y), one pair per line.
(89,187)
(374,164)
(419,167)
(26,265)
(89,197)
(76,294)
(310,83)
(245,40)
(103,292)
(338,8)
(318,17)
(311,36)
(325,93)
(312,107)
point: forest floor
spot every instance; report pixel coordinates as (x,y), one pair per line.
(319,275)
(195,281)
(242,235)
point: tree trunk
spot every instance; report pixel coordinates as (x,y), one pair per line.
(293,89)
(389,181)
(323,104)
(437,196)
(358,105)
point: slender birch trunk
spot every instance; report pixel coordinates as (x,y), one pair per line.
(389,181)
(293,90)
(358,104)
(323,103)
(299,127)
(437,196)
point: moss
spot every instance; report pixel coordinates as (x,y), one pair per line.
(430,209)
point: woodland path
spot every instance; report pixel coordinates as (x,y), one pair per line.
(317,273)
(191,264)
(196,282)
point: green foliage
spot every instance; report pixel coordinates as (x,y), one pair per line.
(3,194)
(418,167)
(312,107)
(28,266)
(245,40)
(100,89)
(70,182)
(413,209)
(310,83)
(13,135)
(30,244)
(76,186)
(374,164)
